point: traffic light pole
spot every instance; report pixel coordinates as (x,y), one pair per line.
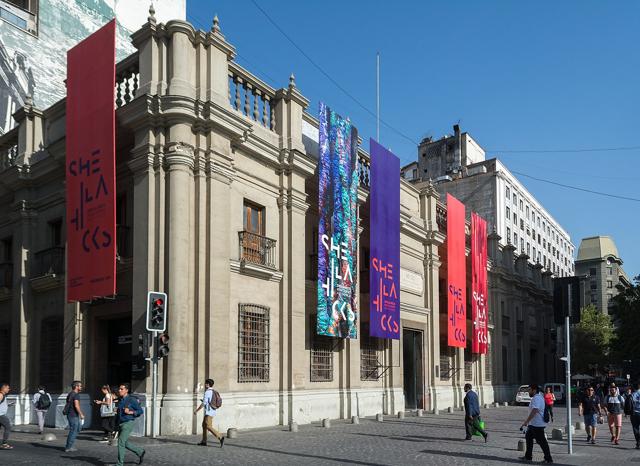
(154,385)
(567,325)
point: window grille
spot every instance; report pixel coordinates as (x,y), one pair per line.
(445,367)
(468,370)
(369,366)
(321,359)
(253,343)
(488,364)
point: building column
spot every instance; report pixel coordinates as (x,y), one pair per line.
(178,402)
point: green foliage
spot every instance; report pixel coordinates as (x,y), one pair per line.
(592,340)
(626,317)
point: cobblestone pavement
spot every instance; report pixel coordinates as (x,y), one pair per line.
(432,440)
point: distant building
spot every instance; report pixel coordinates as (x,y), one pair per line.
(599,259)
(457,165)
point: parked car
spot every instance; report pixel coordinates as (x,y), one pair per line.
(522,395)
(559,390)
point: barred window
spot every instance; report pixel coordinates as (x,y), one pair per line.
(321,359)
(368,355)
(488,363)
(253,343)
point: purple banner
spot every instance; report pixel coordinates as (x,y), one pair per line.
(384,269)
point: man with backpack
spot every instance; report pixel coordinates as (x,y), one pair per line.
(42,403)
(635,414)
(128,410)
(535,425)
(211,401)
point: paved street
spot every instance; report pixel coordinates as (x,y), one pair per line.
(429,440)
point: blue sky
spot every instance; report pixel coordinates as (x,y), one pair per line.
(516,75)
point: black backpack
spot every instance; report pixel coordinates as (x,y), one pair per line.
(628,405)
(43,402)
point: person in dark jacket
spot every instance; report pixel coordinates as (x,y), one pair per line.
(472,413)
(128,410)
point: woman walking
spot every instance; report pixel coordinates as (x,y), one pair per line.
(107,413)
(549,400)
(614,405)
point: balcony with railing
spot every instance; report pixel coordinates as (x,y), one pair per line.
(6,280)
(9,149)
(47,269)
(257,250)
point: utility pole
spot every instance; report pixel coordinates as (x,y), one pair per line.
(154,385)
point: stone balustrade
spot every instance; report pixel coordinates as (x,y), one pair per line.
(127,80)
(251,96)
(8,149)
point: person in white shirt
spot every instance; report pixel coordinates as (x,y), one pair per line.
(41,402)
(535,426)
(209,412)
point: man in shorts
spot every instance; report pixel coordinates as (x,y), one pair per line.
(590,408)
(614,405)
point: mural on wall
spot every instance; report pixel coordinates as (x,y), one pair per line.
(384,268)
(34,44)
(337,227)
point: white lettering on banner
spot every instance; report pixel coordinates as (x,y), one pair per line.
(340,273)
(411,281)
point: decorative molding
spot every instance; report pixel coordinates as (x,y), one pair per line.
(413,309)
(255,270)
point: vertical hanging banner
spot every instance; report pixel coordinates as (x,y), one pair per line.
(479,304)
(384,269)
(90,166)
(337,228)
(456,274)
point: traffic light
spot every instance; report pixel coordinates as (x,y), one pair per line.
(156,311)
(565,302)
(162,347)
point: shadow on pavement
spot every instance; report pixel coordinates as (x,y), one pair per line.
(479,457)
(304,455)
(86,459)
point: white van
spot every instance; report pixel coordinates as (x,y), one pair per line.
(559,390)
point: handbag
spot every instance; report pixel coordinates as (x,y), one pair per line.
(600,419)
(479,424)
(106,409)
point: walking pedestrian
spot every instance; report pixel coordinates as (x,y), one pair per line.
(74,414)
(4,419)
(128,410)
(635,415)
(211,401)
(42,403)
(549,400)
(107,413)
(472,414)
(614,405)
(591,408)
(535,426)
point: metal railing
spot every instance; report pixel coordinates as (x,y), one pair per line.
(251,96)
(48,261)
(253,343)
(257,249)
(6,275)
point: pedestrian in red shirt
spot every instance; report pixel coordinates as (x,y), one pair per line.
(549,399)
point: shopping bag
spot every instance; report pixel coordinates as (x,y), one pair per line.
(479,424)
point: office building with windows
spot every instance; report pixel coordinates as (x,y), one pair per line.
(599,261)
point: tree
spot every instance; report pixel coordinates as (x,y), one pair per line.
(592,340)
(626,317)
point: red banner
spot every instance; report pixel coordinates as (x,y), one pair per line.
(479,304)
(90,166)
(456,273)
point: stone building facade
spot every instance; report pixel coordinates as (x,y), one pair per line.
(599,260)
(217,206)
